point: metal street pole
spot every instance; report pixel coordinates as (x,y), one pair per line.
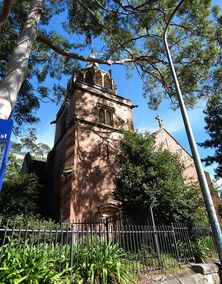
(200,172)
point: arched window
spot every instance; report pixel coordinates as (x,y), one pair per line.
(107,82)
(105,116)
(165,143)
(109,210)
(80,77)
(101,115)
(89,77)
(98,78)
(108,117)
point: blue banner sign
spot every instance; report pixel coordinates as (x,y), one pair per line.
(5,134)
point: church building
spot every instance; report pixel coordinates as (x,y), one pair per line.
(82,161)
(164,139)
(80,167)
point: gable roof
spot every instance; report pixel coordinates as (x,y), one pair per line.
(163,129)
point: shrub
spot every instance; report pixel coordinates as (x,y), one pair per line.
(101,262)
(22,223)
(219,210)
(202,249)
(28,221)
(146,175)
(94,262)
(30,265)
(20,195)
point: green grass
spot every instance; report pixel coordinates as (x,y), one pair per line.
(170,264)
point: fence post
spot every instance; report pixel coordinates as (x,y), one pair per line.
(156,241)
(175,243)
(4,238)
(71,249)
(107,228)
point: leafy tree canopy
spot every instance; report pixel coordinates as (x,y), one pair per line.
(26,144)
(20,196)
(43,64)
(23,194)
(119,32)
(135,30)
(213,119)
(219,210)
(149,176)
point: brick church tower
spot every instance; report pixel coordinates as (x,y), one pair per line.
(82,161)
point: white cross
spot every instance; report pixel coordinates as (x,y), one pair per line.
(160,121)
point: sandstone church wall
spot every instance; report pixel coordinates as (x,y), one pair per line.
(88,101)
(85,150)
(164,139)
(93,183)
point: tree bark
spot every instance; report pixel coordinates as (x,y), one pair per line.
(17,69)
(7,6)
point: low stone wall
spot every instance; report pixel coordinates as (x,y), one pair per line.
(207,273)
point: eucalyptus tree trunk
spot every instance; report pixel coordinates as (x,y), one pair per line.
(17,69)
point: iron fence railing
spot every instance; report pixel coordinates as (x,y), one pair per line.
(144,247)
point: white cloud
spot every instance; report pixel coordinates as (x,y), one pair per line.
(144,118)
(218,183)
(46,136)
(144,128)
(172,122)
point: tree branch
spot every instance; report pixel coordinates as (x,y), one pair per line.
(133,9)
(110,10)
(7,6)
(50,43)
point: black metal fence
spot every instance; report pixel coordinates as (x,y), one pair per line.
(144,247)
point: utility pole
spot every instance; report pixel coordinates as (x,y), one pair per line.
(197,162)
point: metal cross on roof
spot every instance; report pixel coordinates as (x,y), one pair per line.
(160,120)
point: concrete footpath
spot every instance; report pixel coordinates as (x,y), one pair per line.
(207,273)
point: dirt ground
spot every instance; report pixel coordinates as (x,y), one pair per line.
(154,276)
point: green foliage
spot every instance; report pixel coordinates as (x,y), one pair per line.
(27,101)
(93,262)
(103,262)
(170,264)
(23,194)
(213,119)
(123,30)
(28,144)
(43,229)
(148,176)
(219,210)
(136,28)
(31,265)
(20,195)
(18,150)
(213,190)
(42,63)
(202,249)
(28,221)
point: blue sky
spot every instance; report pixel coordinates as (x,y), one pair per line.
(144,118)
